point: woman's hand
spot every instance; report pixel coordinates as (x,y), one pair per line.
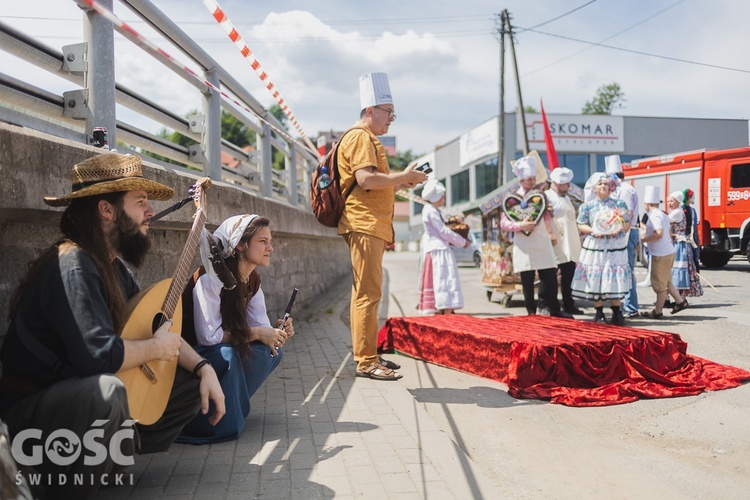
(287,327)
(527,226)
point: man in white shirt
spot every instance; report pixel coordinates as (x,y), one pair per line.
(660,248)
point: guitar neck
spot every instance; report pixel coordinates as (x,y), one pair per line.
(183,266)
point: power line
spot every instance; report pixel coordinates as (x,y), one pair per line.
(604,39)
(558,17)
(621,49)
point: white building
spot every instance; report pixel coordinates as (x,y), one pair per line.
(467,165)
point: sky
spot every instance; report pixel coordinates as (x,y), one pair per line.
(672,58)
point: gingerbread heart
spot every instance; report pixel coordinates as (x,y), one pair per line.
(530,207)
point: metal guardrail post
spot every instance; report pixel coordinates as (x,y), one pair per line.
(290,163)
(212,130)
(266,160)
(100,77)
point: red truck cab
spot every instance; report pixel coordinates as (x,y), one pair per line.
(721,181)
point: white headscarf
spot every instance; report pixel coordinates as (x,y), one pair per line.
(433,190)
(230,232)
(588,189)
(677,195)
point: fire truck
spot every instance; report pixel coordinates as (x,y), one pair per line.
(721,182)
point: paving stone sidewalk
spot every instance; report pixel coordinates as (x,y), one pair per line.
(317,431)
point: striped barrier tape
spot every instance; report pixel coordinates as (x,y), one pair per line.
(236,38)
(131,34)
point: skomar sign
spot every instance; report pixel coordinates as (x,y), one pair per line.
(575,133)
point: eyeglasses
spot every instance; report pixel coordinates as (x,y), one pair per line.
(391,114)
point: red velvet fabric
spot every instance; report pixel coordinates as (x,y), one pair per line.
(570,362)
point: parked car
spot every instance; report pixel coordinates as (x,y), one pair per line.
(472,254)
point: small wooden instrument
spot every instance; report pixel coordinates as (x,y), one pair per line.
(149,385)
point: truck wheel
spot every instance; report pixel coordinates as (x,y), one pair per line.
(713,260)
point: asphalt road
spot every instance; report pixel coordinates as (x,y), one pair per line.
(688,447)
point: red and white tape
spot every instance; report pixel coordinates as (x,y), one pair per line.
(131,34)
(236,38)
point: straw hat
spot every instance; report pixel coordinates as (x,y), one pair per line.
(110,173)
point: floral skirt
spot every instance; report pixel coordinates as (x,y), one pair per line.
(684,273)
(603,271)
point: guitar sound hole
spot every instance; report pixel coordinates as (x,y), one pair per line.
(159,320)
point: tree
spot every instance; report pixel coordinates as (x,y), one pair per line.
(278,156)
(401,160)
(527,109)
(606,99)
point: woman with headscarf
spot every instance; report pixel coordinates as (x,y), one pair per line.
(439,286)
(232,329)
(532,239)
(603,272)
(684,274)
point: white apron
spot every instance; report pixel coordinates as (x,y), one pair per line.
(534,251)
(568,246)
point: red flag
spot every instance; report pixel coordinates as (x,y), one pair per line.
(552,160)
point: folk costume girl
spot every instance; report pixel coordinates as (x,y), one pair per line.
(439,286)
(684,273)
(603,272)
(232,329)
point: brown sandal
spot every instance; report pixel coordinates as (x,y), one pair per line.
(376,371)
(679,307)
(652,314)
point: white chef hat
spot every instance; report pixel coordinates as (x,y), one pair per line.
(374,90)
(524,167)
(231,230)
(612,164)
(651,195)
(433,190)
(561,175)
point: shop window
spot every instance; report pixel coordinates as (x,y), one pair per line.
(486,177)
(460,187)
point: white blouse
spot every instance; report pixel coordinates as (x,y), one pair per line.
(207,311)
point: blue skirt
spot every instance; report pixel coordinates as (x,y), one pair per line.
(680,270)
(239,381)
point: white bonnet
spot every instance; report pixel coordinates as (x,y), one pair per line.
(433,190)
(561,175)
(525,167)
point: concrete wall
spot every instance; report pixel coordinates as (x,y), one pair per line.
(33,165)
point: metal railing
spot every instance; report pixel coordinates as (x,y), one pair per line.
(90,66)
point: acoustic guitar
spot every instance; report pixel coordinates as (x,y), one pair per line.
(149,385)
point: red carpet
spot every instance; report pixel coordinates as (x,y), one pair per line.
(571,362)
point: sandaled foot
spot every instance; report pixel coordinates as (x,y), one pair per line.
(376,371)
(679,307)
(652,315)
(388,364)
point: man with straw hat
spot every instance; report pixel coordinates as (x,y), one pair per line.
(62,349)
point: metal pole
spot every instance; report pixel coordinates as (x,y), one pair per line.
(100,77)
(501,113)
(266,160)
(212,132)
(291,172)
(521,110)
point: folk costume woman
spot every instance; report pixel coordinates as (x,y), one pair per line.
(684,274)
(603,272)
(691,225)
(532,242)
(439,286)
(232,330)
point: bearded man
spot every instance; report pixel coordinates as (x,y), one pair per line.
(62,348)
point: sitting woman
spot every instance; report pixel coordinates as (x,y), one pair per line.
(439,286)
(603,272)
(232,330)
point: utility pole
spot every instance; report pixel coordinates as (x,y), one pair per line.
(518,86)
(501,114)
